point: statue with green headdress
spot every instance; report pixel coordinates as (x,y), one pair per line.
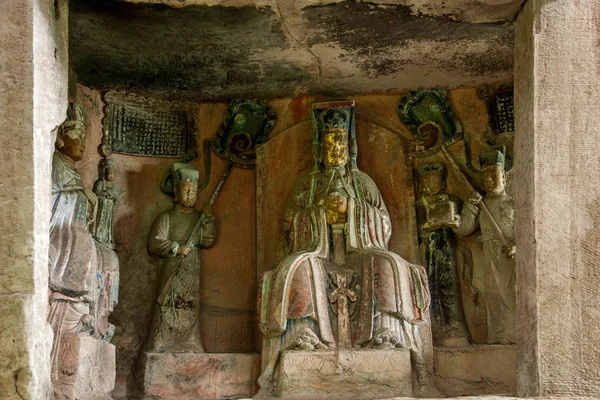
(498,238)
(177,237)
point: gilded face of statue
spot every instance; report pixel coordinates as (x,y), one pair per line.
(109,174)
(73,144)
(432,182)
(334,148)
(186,194)
(493,179)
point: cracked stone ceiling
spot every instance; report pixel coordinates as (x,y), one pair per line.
(211,50)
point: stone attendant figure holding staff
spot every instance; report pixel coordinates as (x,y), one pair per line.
(177,236)
(499,263)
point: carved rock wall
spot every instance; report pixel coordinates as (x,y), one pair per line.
(230,269)
(556,81)
(33,83)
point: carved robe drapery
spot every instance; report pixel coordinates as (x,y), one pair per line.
(393,293)
(175,326)
(83,275)
(499,270)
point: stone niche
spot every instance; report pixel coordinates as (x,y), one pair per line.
(249,215)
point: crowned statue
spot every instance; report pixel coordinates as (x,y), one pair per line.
(339,286)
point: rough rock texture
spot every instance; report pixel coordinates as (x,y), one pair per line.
(199,376)
(94,378)
(477,369)
(557,80)
(363,374)
(33,88)
(270,49)
(460,10)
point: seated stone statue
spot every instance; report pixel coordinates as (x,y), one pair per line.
(177,237)
(340,286)
(83,274)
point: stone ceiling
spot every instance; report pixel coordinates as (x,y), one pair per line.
(211,50)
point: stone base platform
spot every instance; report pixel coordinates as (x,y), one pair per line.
(362,374)
(187,376)
(476,370)
(86,368)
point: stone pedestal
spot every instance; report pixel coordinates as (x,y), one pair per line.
(187,376)
(360,374)
(476,370)
(85,368)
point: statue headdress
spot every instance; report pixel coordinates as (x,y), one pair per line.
(493,155)
(329,116)
(179,172)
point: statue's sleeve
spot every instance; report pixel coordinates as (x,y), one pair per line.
(299,218)
(158,241)
(208,236)
(469,219)
(373,214)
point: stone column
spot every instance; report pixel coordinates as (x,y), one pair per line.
(557,175)
(33,100)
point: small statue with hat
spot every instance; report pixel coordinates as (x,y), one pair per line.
(438,215)
(177,237)
(107,197)
(495,216)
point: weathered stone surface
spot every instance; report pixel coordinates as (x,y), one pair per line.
(94,362)
(275,49)
(461,10)
(557,83)
(363,374)
(189,376)
(476,369)
(33,87)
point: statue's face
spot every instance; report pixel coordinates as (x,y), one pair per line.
(109,174)
(186,194)
(493,179)
(334,150)
(432,182)
(74,145)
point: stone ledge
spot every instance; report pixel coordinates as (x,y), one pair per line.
(362,374)
(187,376)
(476,370)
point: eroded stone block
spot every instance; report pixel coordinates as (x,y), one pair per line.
(184,376)
(86,368)
(476,370)
(360,374)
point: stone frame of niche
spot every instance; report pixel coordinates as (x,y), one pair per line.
(115,98)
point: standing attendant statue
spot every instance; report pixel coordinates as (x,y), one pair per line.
(499,263)
(177,237)
(438,215)
(107,197)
